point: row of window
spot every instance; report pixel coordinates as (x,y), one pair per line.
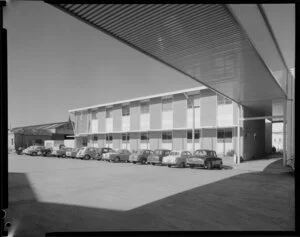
(221,134)
(166,106)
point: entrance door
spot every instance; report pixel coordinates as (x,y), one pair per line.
(224,141)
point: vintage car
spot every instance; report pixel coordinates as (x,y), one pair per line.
(205,158)
(140,156)
(88,153)
(157,156)
(62,152)
(34,150)
(176,158)
(117,156)
(25,151)
(102,151)
(72,153)
(46,151)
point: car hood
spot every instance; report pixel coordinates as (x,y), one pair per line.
(169,158)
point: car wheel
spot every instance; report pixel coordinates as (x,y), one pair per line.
(191,166)
(182,165)
(117,159)
(63,156)
(152,163)
(34,154)
(134,162)
(220,166)
(169,166)
(87,157)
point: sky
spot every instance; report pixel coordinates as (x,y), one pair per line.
(57,63)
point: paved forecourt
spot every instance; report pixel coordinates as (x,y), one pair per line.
(68,194)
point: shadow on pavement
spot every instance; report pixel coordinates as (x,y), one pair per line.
(277,167)
(243,202)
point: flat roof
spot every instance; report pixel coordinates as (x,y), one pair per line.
(139,98)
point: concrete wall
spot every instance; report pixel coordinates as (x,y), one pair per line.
(134,141)
(254,146)
(208,108)
(179,111)
(117,140)
(208,140)
(101,119)
(135,112)
(179,140)
(155,140)
(268,138)
(117,118)
(155,113)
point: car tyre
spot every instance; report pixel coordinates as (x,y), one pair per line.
(169,166)
(191,166)
(63,156)
(87,157)
(152,163)
(117,159)
(220,166)
(133,162)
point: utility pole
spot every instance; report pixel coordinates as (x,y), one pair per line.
(193,128)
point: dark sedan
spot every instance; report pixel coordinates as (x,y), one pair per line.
(157,156)
(140,156)
(205,158)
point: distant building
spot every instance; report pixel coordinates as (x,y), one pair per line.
(37,134)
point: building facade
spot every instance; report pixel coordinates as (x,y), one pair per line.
(166,121)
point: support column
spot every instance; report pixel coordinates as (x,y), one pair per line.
(238,135)
(284,132)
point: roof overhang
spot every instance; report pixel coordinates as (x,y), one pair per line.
(203,41)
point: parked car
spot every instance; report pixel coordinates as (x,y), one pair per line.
(72,153)
(34,150)
(205,158)
(140,156)
(55,150)
(19,150)
(46,151)
(117,156)
(62,151)
(176,158)
(25,151)
(102,151)
(157,156)
(88,153)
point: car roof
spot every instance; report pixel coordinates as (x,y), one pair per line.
(204,150)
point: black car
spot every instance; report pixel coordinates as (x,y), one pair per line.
(103,150)
(205,158)
(46,151)
(157,156)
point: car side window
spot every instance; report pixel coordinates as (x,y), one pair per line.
(167,153)
(189,153)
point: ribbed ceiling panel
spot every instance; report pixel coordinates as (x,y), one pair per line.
(202,41)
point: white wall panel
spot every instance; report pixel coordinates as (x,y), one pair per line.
(225,115)
(109,124)
(94,125)
(145,122)
(167,119)
(126,123)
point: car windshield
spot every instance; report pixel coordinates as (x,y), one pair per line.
(140,152)
(112,150)
(174,153)
(158,152)
(212,154)
(201,153)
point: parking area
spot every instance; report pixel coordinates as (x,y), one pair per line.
(53,194)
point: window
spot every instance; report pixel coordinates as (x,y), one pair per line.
(95,138)
(167,135)
(109,137)
(193,100)
(81,115)
(84,141)
(145,108)
(196,135)
(12,141)
(167,104)
(108,112)
(144,136)
(125,110)
(94,114)
(125,137)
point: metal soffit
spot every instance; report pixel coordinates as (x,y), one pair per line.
(202,41)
